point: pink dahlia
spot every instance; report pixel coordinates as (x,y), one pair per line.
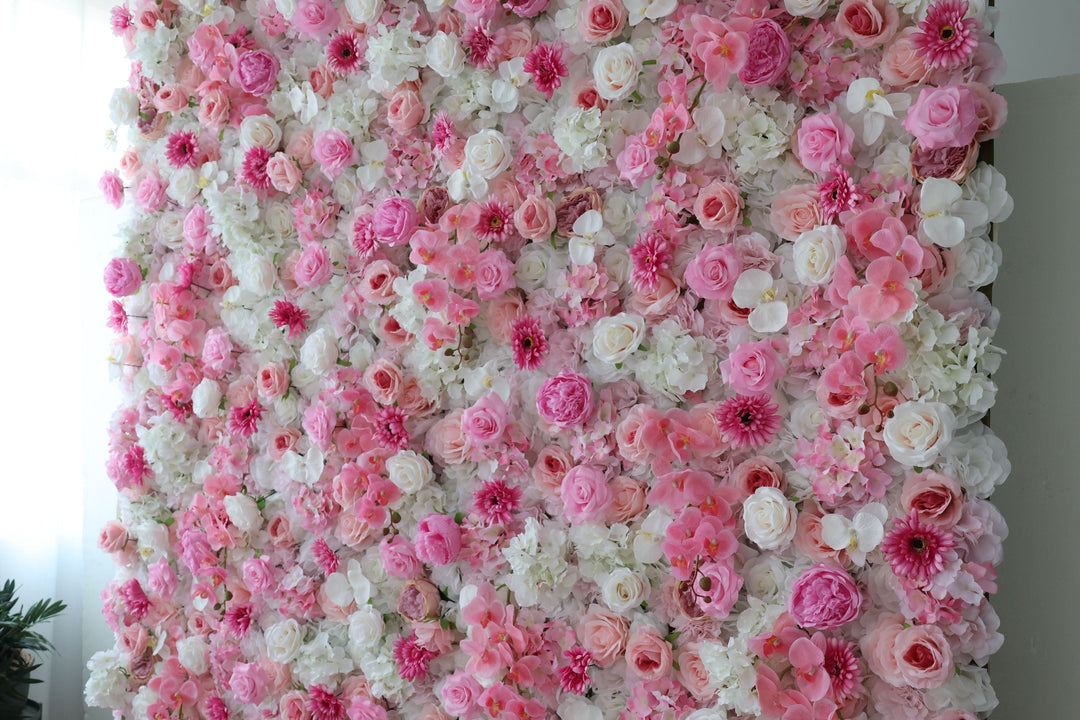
(496,502)
(442,132)
(323,705)
(286,315)
(390,428)
(244,421)
(574,677)
(946,38)
(546,65)
(650,254)
(838,193)
(917,551)
(343,53)
(412,659)
(182,149)
(253,171)
(529,343)
(363,236)
(480,47)
(495,222)
(748,421)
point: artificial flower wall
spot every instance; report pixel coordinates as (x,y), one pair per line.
(591,360)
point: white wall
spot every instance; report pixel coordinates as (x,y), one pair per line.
(1039,38)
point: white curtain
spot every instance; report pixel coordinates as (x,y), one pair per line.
(61,63)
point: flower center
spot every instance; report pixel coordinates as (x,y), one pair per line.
(918,544)
(947,33)
(746,417)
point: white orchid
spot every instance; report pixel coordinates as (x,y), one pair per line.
(858,536)
(946,218)
(758,291)
(588,232)
(866,97)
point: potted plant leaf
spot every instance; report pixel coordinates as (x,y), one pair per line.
(17,643)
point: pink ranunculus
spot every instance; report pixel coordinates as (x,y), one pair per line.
(923,656)
(946,116)
(398,557)
(823,141)
(123,277)
(313,268)
(315,18)
(867,23)
(565,400)
(767,54)
(438,540)
(718,206)
(600,20)
(713,272)
(752,368)
(648,654)
(256,72)
(334,151)
(585,494)
(395,220)
(248,682)
(485,422)
(824,598)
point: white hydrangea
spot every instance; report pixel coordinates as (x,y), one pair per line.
(394,56)
(537,558)
(977,459)
(731,672)
(675,363)
(322,661)
(157,52)
(582,136)
(107,685)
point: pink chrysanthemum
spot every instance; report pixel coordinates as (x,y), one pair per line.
(363,236)
(135,600)
(480,47)
(343,53)
(182,149)
(496,502)
(390,428)
(324,705)
(286,315)
(442,132)
(837,194)
(412,660)
(495,222)
(650,254)
(118,318)
(326,558)
(132,468)
(546,65)
(574,677)
(946,38)
(529,342)
(238,618)
(916,551)
(244,421)
(216,709)
(120,20)
(748,421)
(253,169)
(843,668)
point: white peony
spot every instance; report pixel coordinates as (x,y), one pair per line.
(319,352)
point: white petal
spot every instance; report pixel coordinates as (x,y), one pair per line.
(769,317)
(589,223)
(750,286)
(836,531)
(581,251)
(938,195)
(943,230)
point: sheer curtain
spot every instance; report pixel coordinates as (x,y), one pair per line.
(61,63)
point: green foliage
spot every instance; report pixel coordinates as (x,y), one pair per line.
(16,636)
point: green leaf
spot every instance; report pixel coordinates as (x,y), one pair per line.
(651,61)
(344,363)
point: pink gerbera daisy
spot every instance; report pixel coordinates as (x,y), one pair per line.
(390,429)
(324,705)
(253,169)
(837,194)
(748,421)
(412,659)
(529,343)
(650,254)
(496,502)
(343,53)
(182,149)
(244,420)
(946,38)
(915,550)
(843,668)
(546,65)
(480,47)
(574,677)
(286,315)
(495,222)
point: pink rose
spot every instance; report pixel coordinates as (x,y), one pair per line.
(526,8)
(112,187)
(902,64)
(604,634)
(756,472)
(535,218)
(628,499)
(485,422)
(718,206)
(170,98)
(113,537)
(600,20)
(585,494)
(500,314)
(636,162)
(248,682)
(377,283)
(936,498)
(552,464)
(629,435)
(992,111)
(565,400)
(399,557)
(494,274)
(516,40)
(395,220)
(713,272)
(767,54)
(824,598)
(446,442)
(217,351)
(752,368)
(313,268)
(692,672)
(419,599)
(383,380)
(315,18)
(214,108)
(271,381)
(123,277)
(796,210)
(945,116)
(334,151)
(438,540)
(923,656)
(460,694)
(867,22)
(257,574)
(648,654)
(823,141)
(319,422)
(281,441)
(285,175)
(256,72)
(405,110)
(293,705)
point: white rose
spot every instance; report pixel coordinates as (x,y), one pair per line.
(486,153)
(283,640)
(807,8)
(365,628)
(244,512)
(533,266)
(816,252)
(123,107)
(183,186)
(206,399)
(769,518)
(766,577)
(620,212)
(624,589)
(918,431)
(616,338)
(618,265)
(257,275)
(259,131)
(445,55)
(193,654)
(616,71)
(278,217)
(409,471)
(364,11)
(319,352)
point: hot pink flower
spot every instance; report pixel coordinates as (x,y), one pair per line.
(496,502)
(585,494)
(916,550)
(837,193)
(574,677)
(480,47)
(438,540)
(256,72)
(565,400)
(412,660)
(768,53)
(286,315)
(390,429)
(343,53)
(882,347)
(244,420)
(945,37)
(529,342)
(182,149)
(546,65)
(123,277)
(494,221)
(748,421)
(650,255)
(324,705)
(334,151)
(326,557)
(824,598)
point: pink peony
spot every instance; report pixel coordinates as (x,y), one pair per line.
(438,540)
(123,277)
(824,598)
(565,400)
(256,72)
(395,221)
(767,54)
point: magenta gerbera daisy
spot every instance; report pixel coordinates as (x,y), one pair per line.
(650,254)
(343,53)
(286,315)
(253,170)
(324,705)
(244,420)
(182,149)
(529,342)
(496,502)
(546,65)
(390,429)
(946,38)
(843,668)
(915,550)
(748,421)
(837,194)
(412,659)
(495,222)
(480,47)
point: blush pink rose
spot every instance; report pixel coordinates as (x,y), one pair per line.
(398,557)
(271,381)
(334,151)
(405,110)
(713,272)
(768,51)
(824,598)
(796,210)
(628,499)
(485,422)
(170,98)
(878,647)
(248,682)
(604,634)
(585,495)
(395,220)
(692,672)
(217,351)
(383,380)
(293,705)
(902,64)
(315,18)
(516,40)
(438,540)
(945,116)
(446,442)
(494,274)
(319,421)
(214,108)
(281,441)
(313,267)
(752,368)
(113,537)
(500,313)
(535,218)
(460,694)
(552,464)
(257,574)
(718,206)
(648,654)
(285,175)
(923,656)
(600,20)
(377,283)
(867,23)
(823,141)
(123,277)
(636,162)
(256,72)
(565,400)
(936,498)
(629,435)
(756,472)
